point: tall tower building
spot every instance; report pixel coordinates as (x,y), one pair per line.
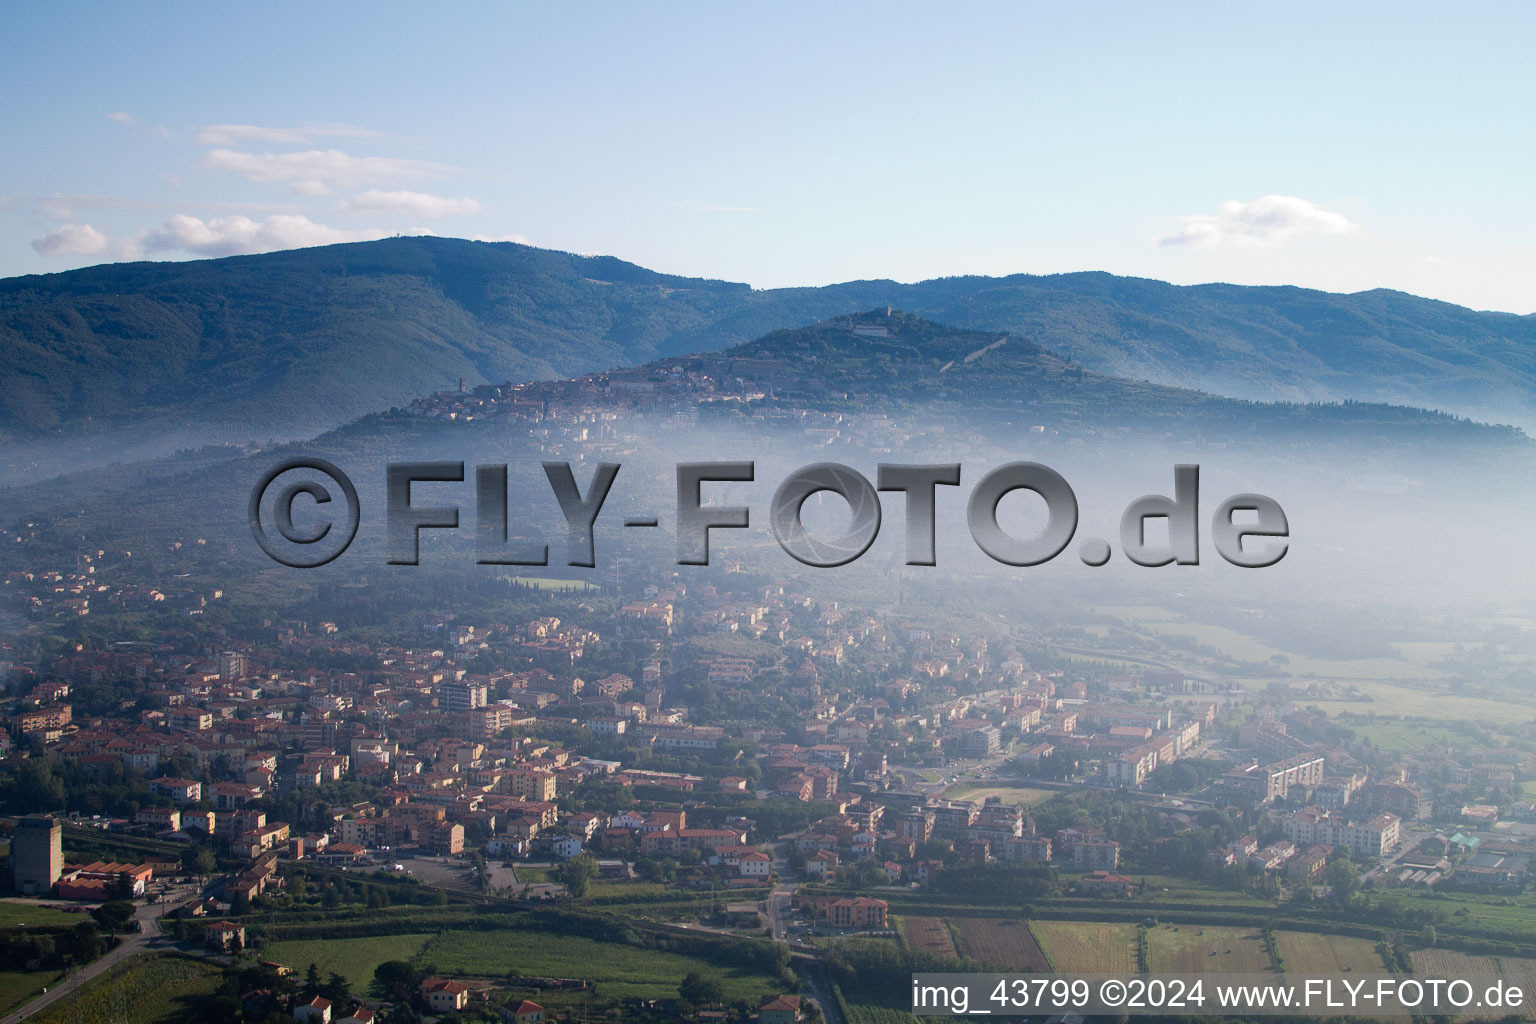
(231,666)
(37,854)
(462,696)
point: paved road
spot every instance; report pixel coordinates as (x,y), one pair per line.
(778,910)
(133,942)
(829,1008)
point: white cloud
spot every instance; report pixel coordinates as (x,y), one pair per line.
(415,204)
(339,130)
(57,205)
(305,133)
(328,166)
(240,134)
(307,187)
(1266,221)
(71,240)
(66,205)
(122,118)
(234,236)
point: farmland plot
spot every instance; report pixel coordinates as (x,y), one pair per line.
(928,935)
(1480,972)
(1088,947)
(1309,954)
(1206,949)
(1001,942)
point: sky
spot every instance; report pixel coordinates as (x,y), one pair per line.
(1339,146)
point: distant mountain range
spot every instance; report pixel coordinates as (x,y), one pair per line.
(291,343)
(898,363)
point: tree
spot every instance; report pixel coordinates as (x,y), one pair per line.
(1343,877)
(336,988)
(1428,936)
(311,981)
(396,979)
(697,990)
(577,874)
(85,943)
(198,860)
(402,1013)
(113,915)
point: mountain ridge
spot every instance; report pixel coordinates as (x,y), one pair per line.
(294,342)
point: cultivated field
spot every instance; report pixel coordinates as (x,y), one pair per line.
(859,1013)
(160,989)
(1310,954)
(353,959)
(928,934)
(618,971)
(1088,947)
(1001,942)
(1200,949)
(1520,971)
(1480,971)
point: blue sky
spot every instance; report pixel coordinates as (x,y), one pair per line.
(1333,146)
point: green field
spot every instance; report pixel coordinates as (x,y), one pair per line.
(618,971)
(1435,703)
(1206,949)
(1512,917)
(548,583)
(636,890)
(353,959)
(1307,954)
(17,915)
(1088,947)
(17,987)
(1405,736)
(158,989)
(1181,891)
